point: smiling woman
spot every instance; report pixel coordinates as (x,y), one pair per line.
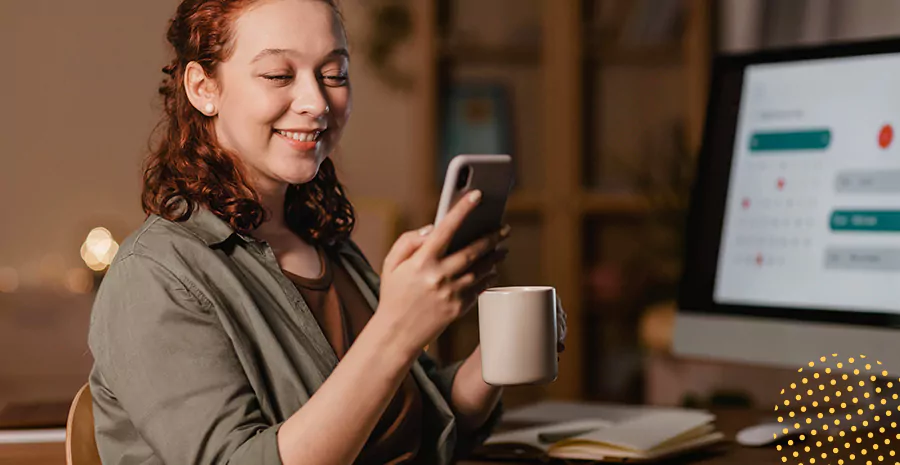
(233,117)
(237,324)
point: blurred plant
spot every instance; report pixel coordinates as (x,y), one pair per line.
(392,25)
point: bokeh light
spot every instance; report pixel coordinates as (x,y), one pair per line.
(99,249)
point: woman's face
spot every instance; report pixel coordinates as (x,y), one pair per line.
(284,92)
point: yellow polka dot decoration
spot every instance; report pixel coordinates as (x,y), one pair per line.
(840,418)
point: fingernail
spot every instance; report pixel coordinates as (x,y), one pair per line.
(505,231)
(425,230)
(475,196)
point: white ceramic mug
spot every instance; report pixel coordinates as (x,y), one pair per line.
(517,331)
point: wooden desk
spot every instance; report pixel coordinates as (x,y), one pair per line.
(728,454)
(33,454)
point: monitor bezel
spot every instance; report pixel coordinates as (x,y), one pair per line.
(708,195)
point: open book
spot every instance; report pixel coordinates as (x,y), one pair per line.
(643,438)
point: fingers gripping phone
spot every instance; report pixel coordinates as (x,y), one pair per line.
(493,176)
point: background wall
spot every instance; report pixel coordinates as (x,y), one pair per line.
(78,89)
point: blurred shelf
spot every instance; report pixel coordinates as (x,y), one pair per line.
(595,55)
(594,203)
(651,55)
(524,203)
(472,54)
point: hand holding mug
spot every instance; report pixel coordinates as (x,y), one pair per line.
(561,326)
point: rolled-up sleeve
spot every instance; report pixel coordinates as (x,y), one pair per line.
(443,378)
(169,364)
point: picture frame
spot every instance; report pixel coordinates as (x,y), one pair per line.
(477,118)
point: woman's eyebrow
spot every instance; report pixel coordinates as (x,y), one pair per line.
(338,52)
(270,52)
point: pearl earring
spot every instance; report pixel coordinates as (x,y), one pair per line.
(209,109)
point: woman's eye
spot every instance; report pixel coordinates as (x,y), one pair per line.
(278,77)
(337,79)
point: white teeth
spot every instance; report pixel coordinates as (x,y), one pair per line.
(301,136)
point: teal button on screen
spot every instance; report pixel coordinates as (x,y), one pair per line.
(866,220)
(774,141)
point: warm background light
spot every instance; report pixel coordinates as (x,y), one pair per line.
(79,280)
(99,249)
(9,279)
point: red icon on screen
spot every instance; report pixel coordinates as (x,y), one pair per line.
(745,203)
(885,136)
(780,183)
(759,259)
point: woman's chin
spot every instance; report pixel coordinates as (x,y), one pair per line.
(294,169)
(296,180)
(299,176)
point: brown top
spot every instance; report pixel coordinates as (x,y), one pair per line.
(342,312)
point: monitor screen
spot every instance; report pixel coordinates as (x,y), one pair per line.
(795,212)
(792,246)
(812,210)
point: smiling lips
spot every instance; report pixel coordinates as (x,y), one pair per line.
(303,140)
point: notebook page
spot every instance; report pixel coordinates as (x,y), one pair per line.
(585,451)
(688,435)
(647,431)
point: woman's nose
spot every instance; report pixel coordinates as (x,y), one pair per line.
(309,98)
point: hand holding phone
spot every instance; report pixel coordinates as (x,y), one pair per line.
(424,289)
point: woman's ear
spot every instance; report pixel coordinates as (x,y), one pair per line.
(201,89)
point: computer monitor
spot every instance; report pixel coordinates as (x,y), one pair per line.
(793,238)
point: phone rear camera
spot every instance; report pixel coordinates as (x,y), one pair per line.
(463,179)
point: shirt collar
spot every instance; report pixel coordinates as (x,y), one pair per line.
(211,229)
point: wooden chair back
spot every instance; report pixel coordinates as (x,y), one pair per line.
(81,446)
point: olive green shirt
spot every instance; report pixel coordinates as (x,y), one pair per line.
(203,347)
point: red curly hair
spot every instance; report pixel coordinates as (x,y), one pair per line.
(187,167)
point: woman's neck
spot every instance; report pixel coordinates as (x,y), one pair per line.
(292,253)
(272,199)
